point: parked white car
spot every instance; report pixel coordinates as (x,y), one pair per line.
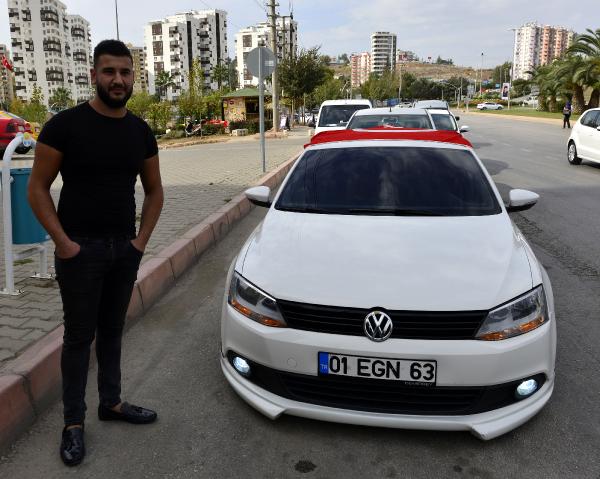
(334,114)
(387,286)
(489,105)
(584,142)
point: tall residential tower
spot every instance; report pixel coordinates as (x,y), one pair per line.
(51,49)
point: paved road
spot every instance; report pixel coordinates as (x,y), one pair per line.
(198,180)
(205,430)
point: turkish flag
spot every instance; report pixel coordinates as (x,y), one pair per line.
(6,63)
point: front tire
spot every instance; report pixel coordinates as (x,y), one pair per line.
(500,107)
(572,154)
(484,108)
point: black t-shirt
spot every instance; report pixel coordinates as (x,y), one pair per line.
(102,157)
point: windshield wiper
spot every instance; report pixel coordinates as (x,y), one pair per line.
(395,212)
(301,209)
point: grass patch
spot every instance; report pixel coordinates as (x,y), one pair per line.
(523,111)
(21,262)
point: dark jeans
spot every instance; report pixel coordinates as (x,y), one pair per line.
(566,121)
(95,286)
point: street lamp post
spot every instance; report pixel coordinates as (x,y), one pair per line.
(481,77)
(117,18)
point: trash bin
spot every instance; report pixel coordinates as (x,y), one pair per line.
(26,229)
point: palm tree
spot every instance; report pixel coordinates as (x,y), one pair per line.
(567,71)
(588,45)
(220,74)
(162,82)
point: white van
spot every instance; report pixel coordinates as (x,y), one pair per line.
(334,114)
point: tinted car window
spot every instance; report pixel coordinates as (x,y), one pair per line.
(398,121)
(443,122)
(338,115)
(389,181)
(591,119)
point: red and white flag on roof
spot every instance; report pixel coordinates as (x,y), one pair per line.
(6,63)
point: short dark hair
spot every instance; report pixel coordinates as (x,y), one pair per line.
(111,47)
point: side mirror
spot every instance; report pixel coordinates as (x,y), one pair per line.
(464,129)
(520,200)
(457,118)
(598,128)
(259,195)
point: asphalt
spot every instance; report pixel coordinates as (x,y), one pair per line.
(205,430)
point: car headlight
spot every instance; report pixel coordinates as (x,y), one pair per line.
(520,316)
(254,303)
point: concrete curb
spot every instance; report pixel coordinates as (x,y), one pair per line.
(32,381)
(531,119)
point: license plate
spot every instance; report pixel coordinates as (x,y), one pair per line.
(407,370)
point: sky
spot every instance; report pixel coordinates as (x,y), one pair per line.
(460,29)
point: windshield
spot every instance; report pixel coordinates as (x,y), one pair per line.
(443,122)
(338,115)
(401,181)
(398,121)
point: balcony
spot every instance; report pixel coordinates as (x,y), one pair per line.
(13,13)
(78,32)
(80,56)
(26,15)
(81,80)
(32,75)
(48,14)
(29,45)
(54,74)
(52,45)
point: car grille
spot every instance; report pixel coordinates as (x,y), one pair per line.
(384,396)
(407,324)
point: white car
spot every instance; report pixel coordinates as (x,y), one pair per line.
(387,286)
(334,114)
(584,142)
(489,105)
(405,118)
(432,104)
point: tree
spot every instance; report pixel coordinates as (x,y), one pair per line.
(521,87)
(35,110)
(381,87)
(588,45)
(16,106)
(220,74)
(568,71)
(159,115)
(162,82)
(344,58)
(301,74)
(139,103)
(232,82)
(61,99)
(331,89)
(501,73)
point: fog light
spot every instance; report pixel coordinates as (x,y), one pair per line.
(241,365)
(526,388)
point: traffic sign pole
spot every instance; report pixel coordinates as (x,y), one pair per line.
(261,108)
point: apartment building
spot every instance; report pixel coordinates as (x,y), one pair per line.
(174,43)
(361,68)
(383,51)
(139,67)
(537,45)
(50,49)
(260,34)
(405,56)
(6,80)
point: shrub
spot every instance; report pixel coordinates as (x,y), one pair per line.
(251,125)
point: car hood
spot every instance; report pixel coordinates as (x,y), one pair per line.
(401,263)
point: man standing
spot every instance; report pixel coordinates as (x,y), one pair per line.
(99,148)
(567,114)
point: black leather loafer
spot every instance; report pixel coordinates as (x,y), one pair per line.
(72,447)
(129,413)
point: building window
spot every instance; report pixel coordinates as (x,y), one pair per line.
(159,67)
(157,29)
(247,39)
(157,48)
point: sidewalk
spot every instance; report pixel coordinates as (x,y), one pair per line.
(198,180)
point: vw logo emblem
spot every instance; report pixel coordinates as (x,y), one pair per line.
(378,326)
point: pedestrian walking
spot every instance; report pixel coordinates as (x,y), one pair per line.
(567,114)
(99,148)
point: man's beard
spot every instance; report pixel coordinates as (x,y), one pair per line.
(113,102)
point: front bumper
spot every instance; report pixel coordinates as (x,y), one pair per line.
(460,363)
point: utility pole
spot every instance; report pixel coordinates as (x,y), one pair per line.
(481,77)
(274,83)
(117,18)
